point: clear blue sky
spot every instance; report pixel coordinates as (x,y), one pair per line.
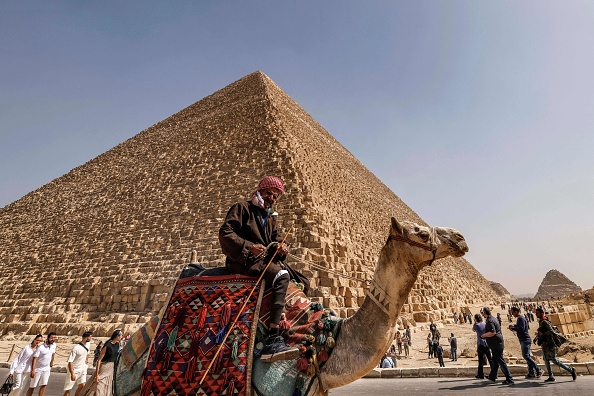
(478,114)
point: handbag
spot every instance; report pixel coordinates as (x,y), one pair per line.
(7,386)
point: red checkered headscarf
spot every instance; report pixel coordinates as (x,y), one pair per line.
(271,181)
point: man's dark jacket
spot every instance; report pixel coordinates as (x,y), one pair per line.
(243,229)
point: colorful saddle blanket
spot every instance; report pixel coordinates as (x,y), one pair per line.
(192,331)
(199,311)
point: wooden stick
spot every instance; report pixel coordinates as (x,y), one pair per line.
(242,308)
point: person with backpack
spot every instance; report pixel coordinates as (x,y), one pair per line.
(550,339)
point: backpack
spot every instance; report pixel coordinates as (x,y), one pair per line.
(558,338)
(7,386)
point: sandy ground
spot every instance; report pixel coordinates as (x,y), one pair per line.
(577,350)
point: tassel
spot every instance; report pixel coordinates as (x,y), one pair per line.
(221,335)
(234,349)
(284,324)
(159,350)
(330,342)
(217,363)
(230,388)
(201,318)
(226,314)
(191,370)
(166,361)
(147,388)
(328,325)
(172,339)
(180,317)
(322,356)
(321,339)
(302,364)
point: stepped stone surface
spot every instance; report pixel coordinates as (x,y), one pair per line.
(500,290)
(555,285)
(101,246)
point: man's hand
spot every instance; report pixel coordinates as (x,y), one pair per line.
(257,249)
(32,373)
(72,377)
(283,249)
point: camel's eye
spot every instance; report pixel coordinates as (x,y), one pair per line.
(424,235)
(417,229)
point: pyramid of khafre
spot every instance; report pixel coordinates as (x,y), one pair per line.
(101,246)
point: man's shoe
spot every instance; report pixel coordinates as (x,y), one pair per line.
(480,377)
(530,376)
(278,350)
(538,373)
(490,378)
(573,374)
(508,382)
(550,379)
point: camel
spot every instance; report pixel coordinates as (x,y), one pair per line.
(366,336)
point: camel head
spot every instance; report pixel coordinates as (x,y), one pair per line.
(426,244)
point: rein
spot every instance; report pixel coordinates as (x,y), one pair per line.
(430,248)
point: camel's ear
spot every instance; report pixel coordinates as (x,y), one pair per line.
(397,227)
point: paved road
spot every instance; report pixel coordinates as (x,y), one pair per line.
(584,386)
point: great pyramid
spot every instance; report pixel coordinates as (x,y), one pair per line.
(101,246)
(555,285)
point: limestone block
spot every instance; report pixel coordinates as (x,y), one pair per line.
(375,373)
(409,372)
(425,372)
(390,373)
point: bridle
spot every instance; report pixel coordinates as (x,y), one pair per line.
(432,247)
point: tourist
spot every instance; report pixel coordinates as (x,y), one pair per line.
(482,349)
(455,317)
(546,339)
(97,353)
(499,318)
(453,347)
(399,342)
(385,362)
(77,365)
(104,369)
(405,344)
(470,318)
(439,354)
(495,342)
(249,239)
(393,355)
(435,336)
(521,329)
(21,365)
(430,345)
(408,334)
(41,364)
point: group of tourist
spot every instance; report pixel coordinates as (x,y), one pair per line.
(31,368)
(490,345)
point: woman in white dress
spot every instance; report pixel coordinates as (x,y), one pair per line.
(21,366)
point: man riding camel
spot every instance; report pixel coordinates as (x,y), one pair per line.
(249,239)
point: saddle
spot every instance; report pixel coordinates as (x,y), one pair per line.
(172,353)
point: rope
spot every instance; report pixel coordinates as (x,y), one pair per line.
(320,267)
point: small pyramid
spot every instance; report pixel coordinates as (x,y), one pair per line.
(105,242)
(555,285)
